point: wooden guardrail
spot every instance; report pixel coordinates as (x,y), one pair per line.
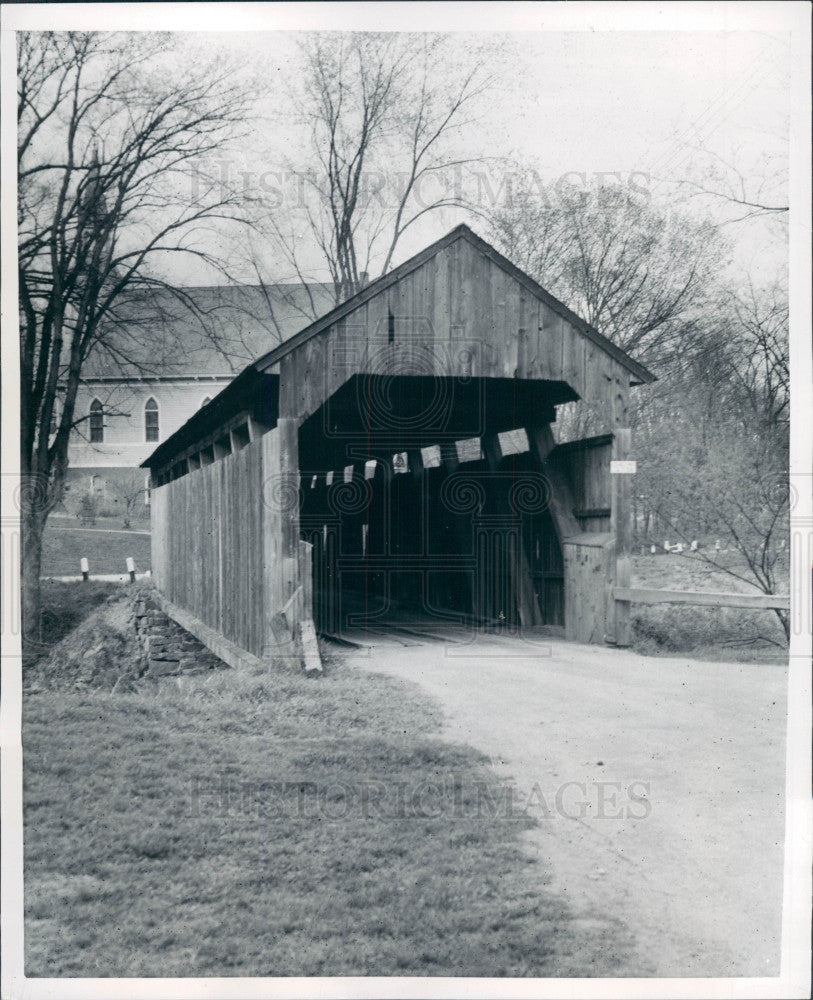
(644,595)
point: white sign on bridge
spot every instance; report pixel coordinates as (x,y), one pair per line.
(627,468)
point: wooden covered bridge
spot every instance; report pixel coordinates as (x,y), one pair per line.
(394,462)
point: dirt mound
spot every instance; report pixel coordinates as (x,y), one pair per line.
(127,640)
(102,652)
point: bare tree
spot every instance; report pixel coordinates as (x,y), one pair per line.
(724,182)
(113,141)
(635,273)
(713,445)
(733,485)
(761,365)
(131,490)
(385,115)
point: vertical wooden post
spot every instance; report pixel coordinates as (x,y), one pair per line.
(417,474)
(306,573)
(621,526)
(383,580)
(448,456)
(131,568)
(522,594)
(493,572)
(289,517)
(270,542)
(462,524)
(83,564)
(492,452)
(415,460)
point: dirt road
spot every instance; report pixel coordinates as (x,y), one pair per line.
(658,783)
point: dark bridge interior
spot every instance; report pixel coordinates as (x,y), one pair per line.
(424,500)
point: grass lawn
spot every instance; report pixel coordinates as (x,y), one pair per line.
(106,550)
(273,824)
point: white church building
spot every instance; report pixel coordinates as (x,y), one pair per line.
(164,364)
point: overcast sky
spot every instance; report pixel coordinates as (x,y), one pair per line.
(587,103)
(605,101)
(628,105)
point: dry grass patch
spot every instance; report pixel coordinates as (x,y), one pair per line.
(708,633)
(272,824)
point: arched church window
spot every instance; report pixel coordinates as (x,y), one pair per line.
(96,422)
(151,425)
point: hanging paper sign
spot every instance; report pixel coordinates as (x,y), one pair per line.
(623,468)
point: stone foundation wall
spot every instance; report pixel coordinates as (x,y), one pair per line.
(168,648)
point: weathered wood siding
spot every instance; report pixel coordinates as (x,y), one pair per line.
(459,313)
(284,563)
(587,470)
(225,540)
(588,576)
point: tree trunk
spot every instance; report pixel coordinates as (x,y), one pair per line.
(32,523)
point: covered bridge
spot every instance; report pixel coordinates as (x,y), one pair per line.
(394,463)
